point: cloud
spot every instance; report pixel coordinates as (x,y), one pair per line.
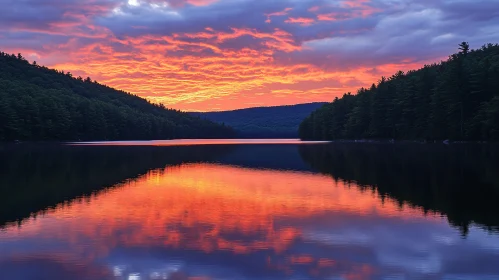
(187,53)
(301,20)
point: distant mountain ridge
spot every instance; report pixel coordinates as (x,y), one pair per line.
(264,122)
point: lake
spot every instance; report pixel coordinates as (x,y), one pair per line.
(248,209)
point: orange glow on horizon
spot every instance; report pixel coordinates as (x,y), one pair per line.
(234,81)
(198,142)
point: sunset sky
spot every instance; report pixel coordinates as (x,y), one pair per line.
(209,55)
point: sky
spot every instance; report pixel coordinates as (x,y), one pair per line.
(212,55)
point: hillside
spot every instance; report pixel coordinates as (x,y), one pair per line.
(41,104)
(264,122)
(457,99)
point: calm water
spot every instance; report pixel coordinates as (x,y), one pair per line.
(249,210)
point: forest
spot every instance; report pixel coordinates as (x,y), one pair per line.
(42,104)
(455,100)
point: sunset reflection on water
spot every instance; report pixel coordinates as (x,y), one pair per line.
(228,222)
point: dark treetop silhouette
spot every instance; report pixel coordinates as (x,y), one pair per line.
(37,103)
(457,100)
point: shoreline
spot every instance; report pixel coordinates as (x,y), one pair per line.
(249,141)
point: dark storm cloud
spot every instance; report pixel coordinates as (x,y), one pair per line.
(44,13)
(389,29)
(418,31)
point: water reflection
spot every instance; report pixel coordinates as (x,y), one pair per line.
(36,177)
(460,181)
(248,212)
(216,221)
(198,142)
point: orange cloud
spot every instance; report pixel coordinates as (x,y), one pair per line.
(360,7)
(276,14)
(300,20)
(201,2)
(328,17)
(314,9)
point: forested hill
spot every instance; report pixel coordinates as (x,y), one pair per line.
(457,99)
(264,122)
(40,104)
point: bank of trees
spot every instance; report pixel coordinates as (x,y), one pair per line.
(457,100)
(37,103)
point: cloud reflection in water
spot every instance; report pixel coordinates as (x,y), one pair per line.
(210,221)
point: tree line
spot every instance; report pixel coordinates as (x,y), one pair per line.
(457,100)
(41,104)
